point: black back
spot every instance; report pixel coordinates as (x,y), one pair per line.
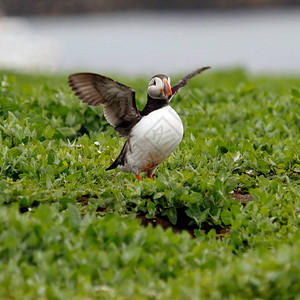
(152,105)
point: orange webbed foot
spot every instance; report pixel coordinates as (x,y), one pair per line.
(138,177)
(150,176)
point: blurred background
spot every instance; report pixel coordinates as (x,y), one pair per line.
(137,37)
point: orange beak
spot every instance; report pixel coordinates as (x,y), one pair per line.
(167,88)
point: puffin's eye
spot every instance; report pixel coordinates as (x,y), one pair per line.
(154,82)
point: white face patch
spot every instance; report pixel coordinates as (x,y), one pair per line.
(156,88)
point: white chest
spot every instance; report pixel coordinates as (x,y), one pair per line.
(154,138)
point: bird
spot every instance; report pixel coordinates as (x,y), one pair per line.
(152,134)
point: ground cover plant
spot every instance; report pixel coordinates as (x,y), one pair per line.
(71,230)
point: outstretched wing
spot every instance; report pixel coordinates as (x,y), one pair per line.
(181,83)
(118,100)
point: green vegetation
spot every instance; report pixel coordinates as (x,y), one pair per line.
(68,228)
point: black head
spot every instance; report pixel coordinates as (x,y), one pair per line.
(159,87)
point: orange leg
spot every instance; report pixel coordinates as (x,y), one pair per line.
(150,176)
(138,177)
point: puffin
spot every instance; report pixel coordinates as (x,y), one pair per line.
(151,134)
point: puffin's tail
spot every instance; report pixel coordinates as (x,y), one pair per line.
(113,165)
(120,159)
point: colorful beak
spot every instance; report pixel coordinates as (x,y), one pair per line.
(167,88)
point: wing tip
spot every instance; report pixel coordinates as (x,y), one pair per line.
(203,69)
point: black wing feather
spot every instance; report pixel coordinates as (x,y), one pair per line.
(181,83)
(118,100)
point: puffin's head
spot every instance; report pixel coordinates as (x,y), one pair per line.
(159,87)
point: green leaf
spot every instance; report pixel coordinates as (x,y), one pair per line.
(66,131)
(151,207)
(212,234)
(49,132)
(75,218)
(158,195)
(226,217)
(235,210)
(295,93)
(194,212)
(51,156)
(171,213)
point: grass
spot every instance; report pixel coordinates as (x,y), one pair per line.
(242,135)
